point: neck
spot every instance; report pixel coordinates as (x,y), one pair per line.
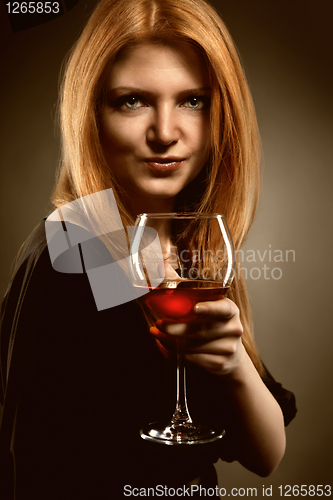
(141,205)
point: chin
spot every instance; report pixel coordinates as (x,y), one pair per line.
(164,195)
(162,192)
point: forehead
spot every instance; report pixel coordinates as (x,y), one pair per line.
(164,63)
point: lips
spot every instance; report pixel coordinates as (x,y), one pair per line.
(167,164)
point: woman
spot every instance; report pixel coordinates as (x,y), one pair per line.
(156,107)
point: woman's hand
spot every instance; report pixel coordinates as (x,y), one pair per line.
(213,341)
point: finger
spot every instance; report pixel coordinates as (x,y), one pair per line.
(202,328)
(158,334)
(222,309)
(210,362)
(169,342)
(220,347)
(175,328)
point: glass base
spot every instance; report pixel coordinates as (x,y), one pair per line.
(185,433)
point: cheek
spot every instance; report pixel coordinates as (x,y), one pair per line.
(205,130)
(118,136)
(199,135)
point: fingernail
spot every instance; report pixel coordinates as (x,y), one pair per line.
(200,309)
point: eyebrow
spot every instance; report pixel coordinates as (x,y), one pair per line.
(137,90)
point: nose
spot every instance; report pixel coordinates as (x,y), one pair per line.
(164,127)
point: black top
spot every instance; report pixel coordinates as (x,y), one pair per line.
(82,383)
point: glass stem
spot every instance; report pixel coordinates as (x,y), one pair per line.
(181,414)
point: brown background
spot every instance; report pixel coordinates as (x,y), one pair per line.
(286,48)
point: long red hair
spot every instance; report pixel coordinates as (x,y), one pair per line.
(232,174)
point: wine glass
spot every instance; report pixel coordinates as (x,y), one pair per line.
(180,259)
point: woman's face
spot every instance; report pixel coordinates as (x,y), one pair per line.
(155,126)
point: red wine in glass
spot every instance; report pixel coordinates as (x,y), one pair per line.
(178,303)
(191,260)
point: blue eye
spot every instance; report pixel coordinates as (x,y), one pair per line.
(126,102)
(196,102)
(132,102)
